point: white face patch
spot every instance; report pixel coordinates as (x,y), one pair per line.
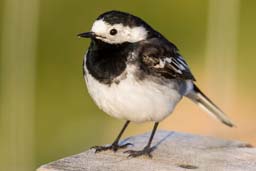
(124,33)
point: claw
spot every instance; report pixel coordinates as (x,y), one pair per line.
(114,147)
(146,151)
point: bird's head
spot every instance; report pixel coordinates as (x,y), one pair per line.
(115,27)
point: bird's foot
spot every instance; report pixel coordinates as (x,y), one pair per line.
(146,152)
(114,147)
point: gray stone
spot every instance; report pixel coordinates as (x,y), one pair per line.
(174,152)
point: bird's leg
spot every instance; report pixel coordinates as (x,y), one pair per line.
(114,146)
(147,149)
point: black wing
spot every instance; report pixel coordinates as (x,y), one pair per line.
(162,58)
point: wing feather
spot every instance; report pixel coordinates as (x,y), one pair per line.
(162,57)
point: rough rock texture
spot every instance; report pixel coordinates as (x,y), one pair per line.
(174,152)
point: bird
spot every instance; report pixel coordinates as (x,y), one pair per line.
(135,74)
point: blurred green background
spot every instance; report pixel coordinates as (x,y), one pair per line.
(45,110)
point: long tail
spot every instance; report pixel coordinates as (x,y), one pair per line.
(198,97)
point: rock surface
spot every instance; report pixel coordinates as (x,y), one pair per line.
(174,152)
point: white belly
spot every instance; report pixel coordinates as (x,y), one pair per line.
(134,100)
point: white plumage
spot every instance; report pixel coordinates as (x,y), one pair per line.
(125,33)
(132,99)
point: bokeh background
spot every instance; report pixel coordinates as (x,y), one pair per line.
(45,110)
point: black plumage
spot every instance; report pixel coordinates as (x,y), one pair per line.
(105,61)
(160,57)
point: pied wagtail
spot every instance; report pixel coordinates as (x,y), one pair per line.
(134,73)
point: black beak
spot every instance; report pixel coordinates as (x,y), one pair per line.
(87,35)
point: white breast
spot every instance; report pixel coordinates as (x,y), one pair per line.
(134,100)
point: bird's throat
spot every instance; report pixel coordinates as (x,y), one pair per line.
(106,61)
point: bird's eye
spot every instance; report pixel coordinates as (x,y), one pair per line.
(113,32)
